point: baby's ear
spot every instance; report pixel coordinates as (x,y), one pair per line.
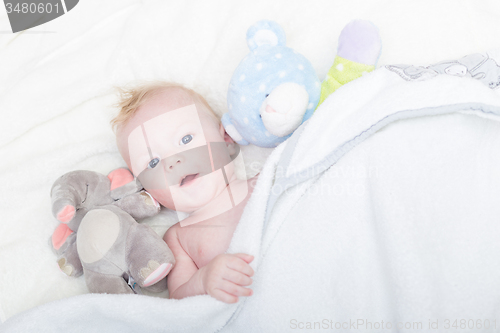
(223,133)
(231,145)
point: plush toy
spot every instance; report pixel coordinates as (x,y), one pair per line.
(116,254)
(274,89)
(477,66)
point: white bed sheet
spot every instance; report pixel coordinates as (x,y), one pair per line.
(56,92)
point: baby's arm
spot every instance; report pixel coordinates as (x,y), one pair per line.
(222,278)
(184,279)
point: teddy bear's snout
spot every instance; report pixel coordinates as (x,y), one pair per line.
(269,109)
(282,111)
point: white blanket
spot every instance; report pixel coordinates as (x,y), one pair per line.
(383,207)
(56,102)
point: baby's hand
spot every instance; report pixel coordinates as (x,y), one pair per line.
(224,276)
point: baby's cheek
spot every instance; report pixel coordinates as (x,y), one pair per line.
(164,197)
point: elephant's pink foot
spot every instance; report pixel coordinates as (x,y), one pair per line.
(154,272)
(66,214)
(60,234)
(120,177)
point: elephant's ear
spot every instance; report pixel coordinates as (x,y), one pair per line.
(265,33)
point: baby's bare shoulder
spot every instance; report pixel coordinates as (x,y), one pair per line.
(171,233)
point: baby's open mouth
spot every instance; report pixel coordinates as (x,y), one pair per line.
(188,179)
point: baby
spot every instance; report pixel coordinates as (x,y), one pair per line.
(176,146)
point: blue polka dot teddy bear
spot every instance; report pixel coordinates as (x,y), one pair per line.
(274,89)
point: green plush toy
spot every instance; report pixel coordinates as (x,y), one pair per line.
(99,236)
(358,50)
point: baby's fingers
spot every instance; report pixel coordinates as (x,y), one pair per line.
(234,289)
(240,265)
(237,277)
(223,296)
(248,258)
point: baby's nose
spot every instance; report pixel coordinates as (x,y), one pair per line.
(173,161)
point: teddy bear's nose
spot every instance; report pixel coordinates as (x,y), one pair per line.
(282,111)
(269,109)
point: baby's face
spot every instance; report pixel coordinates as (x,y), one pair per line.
(175,151)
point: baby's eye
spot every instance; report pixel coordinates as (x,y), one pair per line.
(186,139)
(267,95)
(153,163)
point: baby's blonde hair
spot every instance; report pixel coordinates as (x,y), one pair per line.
(133,97)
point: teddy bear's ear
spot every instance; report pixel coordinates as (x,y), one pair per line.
(265,33)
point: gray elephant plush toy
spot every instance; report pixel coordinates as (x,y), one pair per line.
(99,236)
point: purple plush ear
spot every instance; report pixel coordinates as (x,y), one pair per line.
(360,42)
